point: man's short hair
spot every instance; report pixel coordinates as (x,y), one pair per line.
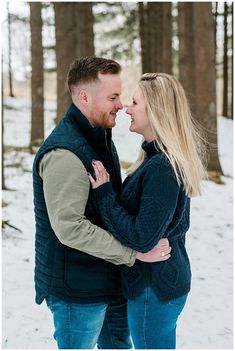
(86,69)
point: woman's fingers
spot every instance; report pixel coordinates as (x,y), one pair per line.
(97,171)
(100,173)
(164,248)
(168,250)
(164,258)
(92,180)
(164,240)
(100,170)
(99,165)
(164,252)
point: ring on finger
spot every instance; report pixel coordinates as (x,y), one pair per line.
(162,253)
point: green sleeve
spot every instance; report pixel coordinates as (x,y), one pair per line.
(66,188)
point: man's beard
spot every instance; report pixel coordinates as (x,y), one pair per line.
(107,120)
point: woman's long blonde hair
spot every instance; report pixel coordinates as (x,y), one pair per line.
(175,132)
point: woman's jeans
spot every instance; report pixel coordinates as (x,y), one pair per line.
(152,322)
(82,326)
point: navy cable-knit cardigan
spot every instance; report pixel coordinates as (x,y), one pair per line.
(152,205)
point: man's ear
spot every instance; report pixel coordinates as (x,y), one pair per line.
(83,97)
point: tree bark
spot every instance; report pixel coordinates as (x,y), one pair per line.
(37,80)
(232,63)
(167,38)
(85,33)
(215,27)
(144,37)
(205,78)
(74,39)
(155,24)
(155,31)
(187,73)
(197,70)
(9,52)
(225,63)
(65,26)
(2,161)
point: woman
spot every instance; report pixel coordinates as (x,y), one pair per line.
(155,203)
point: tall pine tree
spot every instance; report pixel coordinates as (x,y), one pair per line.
(197,70)
(37,80)
(74,39)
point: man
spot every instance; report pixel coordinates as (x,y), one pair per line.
(77,262)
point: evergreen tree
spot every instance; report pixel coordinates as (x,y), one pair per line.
(155,30)
(37,80)
(197,55)
(74,39)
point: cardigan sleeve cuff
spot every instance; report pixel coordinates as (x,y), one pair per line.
(102,191)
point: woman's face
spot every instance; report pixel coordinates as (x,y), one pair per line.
(139,118)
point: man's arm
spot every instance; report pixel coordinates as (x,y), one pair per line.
(66,189)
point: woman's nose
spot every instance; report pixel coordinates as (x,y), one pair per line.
(128,110)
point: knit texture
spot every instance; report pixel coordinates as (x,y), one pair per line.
(152,206)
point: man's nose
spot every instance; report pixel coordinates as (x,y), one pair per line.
(119,105)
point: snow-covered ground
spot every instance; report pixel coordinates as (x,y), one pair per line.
(206,322)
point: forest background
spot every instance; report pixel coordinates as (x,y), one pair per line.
(192,40)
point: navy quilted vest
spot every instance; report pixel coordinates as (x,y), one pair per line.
(61,271)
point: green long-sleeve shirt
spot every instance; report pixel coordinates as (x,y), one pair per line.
(66,188)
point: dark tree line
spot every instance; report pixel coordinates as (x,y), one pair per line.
(37,79)
(197,69)
(74,38)
(153,23)
(227,78)
(155,29)
(9,51)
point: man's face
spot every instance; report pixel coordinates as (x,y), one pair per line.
(105,101)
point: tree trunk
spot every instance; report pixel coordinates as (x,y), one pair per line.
(167,38)
(9,51)
(232,63)
(225,63)
(84,24)
(160,36)
(204,52)
(74,39)
(197,70)
(65,26)
(37,81)
(144,37)
(215,28)
(155,31)
(3,175)
(155,24)
(187,74)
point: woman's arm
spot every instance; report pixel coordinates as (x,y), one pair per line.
(66,190)
(157,206)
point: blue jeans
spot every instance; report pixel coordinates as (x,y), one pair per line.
(82,326)
(152,322)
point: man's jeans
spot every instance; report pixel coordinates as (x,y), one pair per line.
(82,326)
(152,322)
